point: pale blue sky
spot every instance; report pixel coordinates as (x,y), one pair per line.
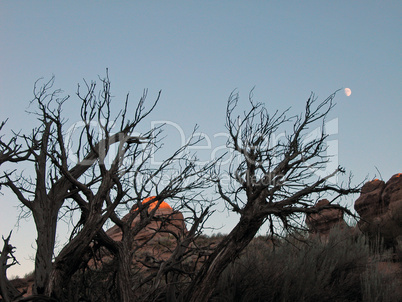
(197,52)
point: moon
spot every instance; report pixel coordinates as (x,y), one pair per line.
(348,92)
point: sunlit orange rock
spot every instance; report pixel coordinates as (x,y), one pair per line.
(165,220)
(162,205)
(393,190)
(157,238)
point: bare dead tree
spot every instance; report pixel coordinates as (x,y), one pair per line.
(166,278)
(182,264)
(11,151)
(177,177)
(268,180)
(57,178)
(7,290)
(95,173)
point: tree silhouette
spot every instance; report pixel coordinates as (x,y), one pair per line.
(268,180)
(107,168)
(102,165)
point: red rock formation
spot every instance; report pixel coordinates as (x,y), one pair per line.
(156,239)
(380,208)
(369,202)
(165,220)
(322,222)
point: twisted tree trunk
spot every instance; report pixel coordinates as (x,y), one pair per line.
(45,241)
(7,290)
(226,252)
(124,271)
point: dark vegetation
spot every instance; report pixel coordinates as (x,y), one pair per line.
(296,268)
(342,269)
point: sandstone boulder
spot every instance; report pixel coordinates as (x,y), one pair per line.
(165,221)
(156,240)
(380,208)
(322,222)
(369,202)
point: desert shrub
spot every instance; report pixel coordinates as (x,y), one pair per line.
(341,268)
(377,287)
(335,270)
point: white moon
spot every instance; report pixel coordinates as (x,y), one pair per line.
(348,92)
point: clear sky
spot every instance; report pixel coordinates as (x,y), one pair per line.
(197,52)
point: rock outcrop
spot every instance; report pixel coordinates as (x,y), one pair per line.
(322,222)
(155,241)
(380,208)
(165,221)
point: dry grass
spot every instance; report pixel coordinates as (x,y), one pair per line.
(343,269)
